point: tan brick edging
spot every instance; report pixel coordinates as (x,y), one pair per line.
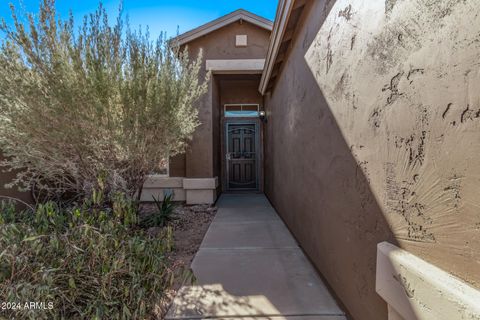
(190,190)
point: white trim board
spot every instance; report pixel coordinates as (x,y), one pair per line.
(417,290)
(221,22)
(236,66)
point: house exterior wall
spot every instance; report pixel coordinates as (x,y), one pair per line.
(202,157)
(176,166)
(216,115)
(372,135)
(199,155)
(240,91)
(220,44)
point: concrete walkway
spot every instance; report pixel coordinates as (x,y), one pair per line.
(250,267)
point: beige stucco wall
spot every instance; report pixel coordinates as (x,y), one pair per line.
(220,44)
(240,90)
(216,114)
(176,167)
(373,134)
(202,157)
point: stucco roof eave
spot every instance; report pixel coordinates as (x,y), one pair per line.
(281,21)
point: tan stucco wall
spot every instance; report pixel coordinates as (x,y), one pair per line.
(199,155)
(202,157)
(216,128)
(373,134)
(176,166)
(238,90)
(220,44)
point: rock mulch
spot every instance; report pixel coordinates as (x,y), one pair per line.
(189,228)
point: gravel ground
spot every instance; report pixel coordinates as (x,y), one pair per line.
(189,228)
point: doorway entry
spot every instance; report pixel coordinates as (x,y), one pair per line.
(242,154)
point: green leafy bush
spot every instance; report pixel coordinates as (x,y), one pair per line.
(88,263)
(7,210)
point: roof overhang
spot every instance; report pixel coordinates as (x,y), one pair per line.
(238,15)
(286,20)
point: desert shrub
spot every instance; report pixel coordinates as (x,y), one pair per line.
(88,265)
(100,100)
(163,214)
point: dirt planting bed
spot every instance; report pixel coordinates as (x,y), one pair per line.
(189,227)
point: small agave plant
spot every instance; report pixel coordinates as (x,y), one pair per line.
(165,212)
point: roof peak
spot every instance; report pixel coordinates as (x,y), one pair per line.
(239,14)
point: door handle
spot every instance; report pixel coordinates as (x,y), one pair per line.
(228,156)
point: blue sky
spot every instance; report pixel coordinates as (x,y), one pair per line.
(159,15)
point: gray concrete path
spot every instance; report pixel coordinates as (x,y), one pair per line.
(250,267)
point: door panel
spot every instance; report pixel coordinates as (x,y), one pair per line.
(242,156)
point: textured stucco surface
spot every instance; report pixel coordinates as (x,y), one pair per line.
(202,157)
(373,135)
(215,128)
(235,89)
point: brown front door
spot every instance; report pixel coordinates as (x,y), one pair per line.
(242,156)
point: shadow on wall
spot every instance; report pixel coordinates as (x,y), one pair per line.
(411,116)
(318,186)
(361,167)
(374,130)
(322,194)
